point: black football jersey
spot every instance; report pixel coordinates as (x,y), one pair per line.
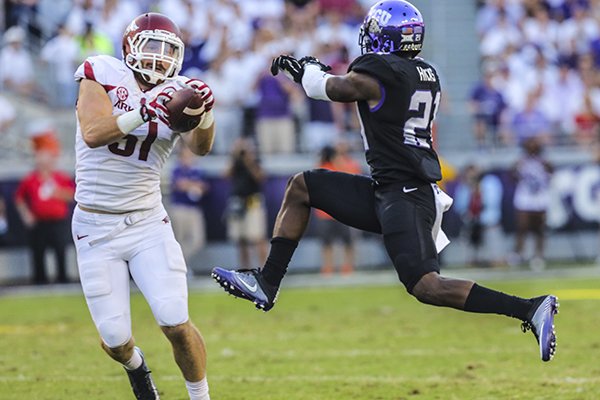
(397,131)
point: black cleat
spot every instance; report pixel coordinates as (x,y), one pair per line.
(141,381)
(247,284)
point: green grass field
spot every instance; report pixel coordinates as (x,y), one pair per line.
(326,343)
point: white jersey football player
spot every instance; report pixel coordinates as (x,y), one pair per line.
(120,226)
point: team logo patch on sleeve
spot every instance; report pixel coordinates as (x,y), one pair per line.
(122,96)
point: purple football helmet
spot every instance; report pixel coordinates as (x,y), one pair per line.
(392,26)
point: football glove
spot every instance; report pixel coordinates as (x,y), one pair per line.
(158,105)
(201,89)
(293,68)
(312,60)
(146,112)
(289,66)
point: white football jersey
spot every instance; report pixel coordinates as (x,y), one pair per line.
(125,175)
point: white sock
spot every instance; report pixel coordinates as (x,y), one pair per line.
(135,361)
(198,390)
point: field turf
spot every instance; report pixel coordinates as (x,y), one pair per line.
(322,343)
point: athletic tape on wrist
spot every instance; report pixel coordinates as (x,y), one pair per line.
(207,120)
(130,120)
(314,82)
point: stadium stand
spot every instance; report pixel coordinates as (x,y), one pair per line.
(462,37)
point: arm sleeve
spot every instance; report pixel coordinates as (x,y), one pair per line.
(90,69)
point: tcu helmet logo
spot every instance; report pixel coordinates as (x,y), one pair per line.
(382,16)
(122,95)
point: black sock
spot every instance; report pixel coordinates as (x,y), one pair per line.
(280,255)
(484,300)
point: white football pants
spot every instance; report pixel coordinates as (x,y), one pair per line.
(109,249)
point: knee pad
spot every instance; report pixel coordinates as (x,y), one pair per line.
(115,331)
(172,311)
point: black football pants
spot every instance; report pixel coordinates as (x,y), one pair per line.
(404,218)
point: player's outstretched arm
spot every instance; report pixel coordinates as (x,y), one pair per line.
(320,85)
(99,127)
(200,140)
(353,87)
(94,111)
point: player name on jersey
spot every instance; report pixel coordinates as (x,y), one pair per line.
(426,74)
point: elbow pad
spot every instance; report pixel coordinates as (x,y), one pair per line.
(314,81)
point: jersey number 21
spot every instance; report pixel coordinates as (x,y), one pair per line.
(419,127)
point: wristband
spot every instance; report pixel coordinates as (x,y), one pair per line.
(207,120)
(130,121)
(314,81)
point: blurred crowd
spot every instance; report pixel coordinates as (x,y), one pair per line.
(539,63)
(539,68)
(478,201)
(229,44)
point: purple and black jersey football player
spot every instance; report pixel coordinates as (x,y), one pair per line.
(397,95)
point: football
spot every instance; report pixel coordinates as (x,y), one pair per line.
(185,110)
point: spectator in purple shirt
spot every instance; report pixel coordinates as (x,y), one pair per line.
(529,123)
(595,51)
(188,186)
(275,127)
(320,129)
(486,104)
